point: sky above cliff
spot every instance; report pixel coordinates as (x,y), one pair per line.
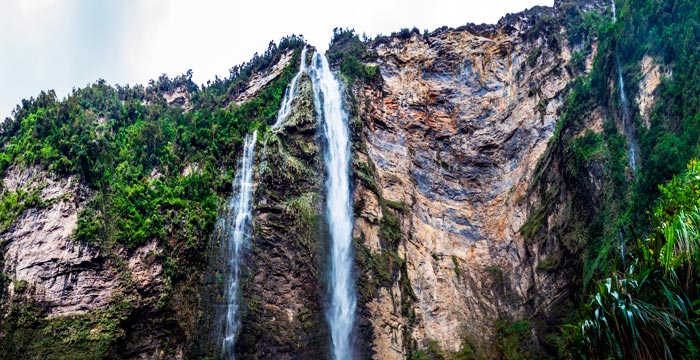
(61,44)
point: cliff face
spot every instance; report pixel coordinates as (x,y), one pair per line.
(446,142)
(284,292)
(72,283)
(71,277)
(446,154)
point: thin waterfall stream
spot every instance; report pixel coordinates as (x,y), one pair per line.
(628,127)
(236,227)
(614,10)
(329,108)
(291,92)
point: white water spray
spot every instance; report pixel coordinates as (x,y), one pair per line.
(329,108)
(236,231)
(290,93)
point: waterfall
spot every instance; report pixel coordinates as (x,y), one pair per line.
(329,108)
(290,93)
(627,125)
(614,11)
(622,248)
(235,228)
(627,119)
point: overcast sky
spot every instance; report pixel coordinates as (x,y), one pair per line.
(61,44)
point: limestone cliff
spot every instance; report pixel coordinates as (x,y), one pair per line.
(447,144)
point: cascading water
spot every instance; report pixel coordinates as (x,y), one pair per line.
(235,228)
(626,118)
(290,93)
(329,108)
(614,11)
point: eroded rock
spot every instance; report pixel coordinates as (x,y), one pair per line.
(652,74)
(70,277)
(259,80)
(454,132)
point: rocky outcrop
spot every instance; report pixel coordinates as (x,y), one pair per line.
(652,74)
(68,276)
(145,270)
(260,79)
(283,294)
(179,97)
(448,145)
(60,280)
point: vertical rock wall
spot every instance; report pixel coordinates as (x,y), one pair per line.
(284,291)
(449,141)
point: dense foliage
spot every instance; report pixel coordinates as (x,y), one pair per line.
(649,310)
(155,171)
(347,51)
(638,238)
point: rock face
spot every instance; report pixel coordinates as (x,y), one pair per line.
(179,97)
(446,142)
(70,277)
(449,143)
(283,294)
(652,74)
(260,80)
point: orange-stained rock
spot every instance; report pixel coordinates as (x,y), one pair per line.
(461,118)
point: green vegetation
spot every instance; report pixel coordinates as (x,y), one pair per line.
(12,204)
(649,309)
(20,286)
(548,263)
(533,56)
(348,51)
(399,206)
(642,304)
(533,224)
(30,335)
(155,172)
(434,352)
(665,147)
(511,340)
(458,270)
(389,225)
(390,229)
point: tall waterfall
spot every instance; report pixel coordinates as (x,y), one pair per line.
(290,93)
(329,108)
(235,230)
(626,118)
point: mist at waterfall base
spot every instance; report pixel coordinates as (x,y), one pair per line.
(329,108)
(234,232)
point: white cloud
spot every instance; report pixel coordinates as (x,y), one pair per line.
(62,44)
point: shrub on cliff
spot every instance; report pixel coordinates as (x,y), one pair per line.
(347,51)
(648,310)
